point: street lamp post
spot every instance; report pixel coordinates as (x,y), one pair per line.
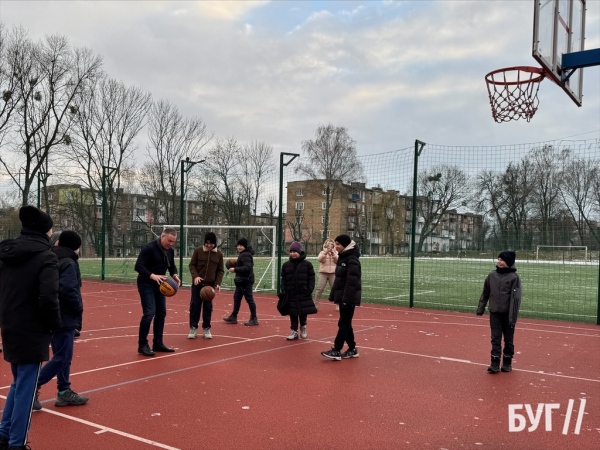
(107,172)
(186,166)
(42,177)
(280,219)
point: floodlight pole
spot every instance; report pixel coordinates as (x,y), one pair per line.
(186,166)
(280,218)
(418,149)
(42,177)
(107,172)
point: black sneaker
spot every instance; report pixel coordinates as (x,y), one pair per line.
(332,354)
(37,406)
(70,398)
(230,319)
(350,353)
(252,322)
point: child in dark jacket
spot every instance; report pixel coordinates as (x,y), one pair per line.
(346,294)
(71,313)
(298,281)
(244,279)
(502,288)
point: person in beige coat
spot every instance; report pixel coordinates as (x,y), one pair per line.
(327,258)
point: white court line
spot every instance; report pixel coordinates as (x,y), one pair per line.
(408,295)
(464,361)
(171,355)
(103,429)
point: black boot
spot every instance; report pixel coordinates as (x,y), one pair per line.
(230,319)
(506,364)
(495,367)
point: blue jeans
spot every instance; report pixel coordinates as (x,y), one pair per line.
(16,418)
(60,364)
(154,306)
(244,290)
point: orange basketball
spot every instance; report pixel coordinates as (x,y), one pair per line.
(168,288)
(207,293)
(230,263)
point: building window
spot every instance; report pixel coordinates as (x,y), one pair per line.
(351,234)
(299,219)
(299,193)
(299,206)
(49,195)
(323,205)
(325,191)
(323,219)
(328,234)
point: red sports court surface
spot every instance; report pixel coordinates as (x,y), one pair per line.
(420,382)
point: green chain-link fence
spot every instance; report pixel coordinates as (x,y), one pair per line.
(541,200)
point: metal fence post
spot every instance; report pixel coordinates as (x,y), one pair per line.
(106,173)
(413,232)
(280,218)
(184,170)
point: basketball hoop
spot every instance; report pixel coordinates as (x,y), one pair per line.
(513,92)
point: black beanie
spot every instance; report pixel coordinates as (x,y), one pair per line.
(35,219)
(243,242)
(344,239)
(210,238)
(508,257)
(69,239)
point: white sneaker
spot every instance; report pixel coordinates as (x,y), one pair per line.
(207,334)
(337,307)
(193,332)
(303,332)
(293,336)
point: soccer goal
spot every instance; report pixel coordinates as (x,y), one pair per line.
(571,250)
(262,238)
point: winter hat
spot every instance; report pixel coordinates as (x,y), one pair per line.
(69,239)
(210,238)
(243,242)
(54,237)
(508,257)
(296,247)
(344,240)
(35,219)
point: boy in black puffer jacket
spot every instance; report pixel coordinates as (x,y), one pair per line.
(244,279)
(298,281)
(71,313)
(345,293)
(502,288)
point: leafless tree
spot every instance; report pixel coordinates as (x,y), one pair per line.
(14,48)
(517,188)
(50,79)
(443,188)
(172,139)
(577,193)
(547,167)
(331,157)
(109,118)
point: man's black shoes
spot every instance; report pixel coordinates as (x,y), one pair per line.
(162,348)
(145,350)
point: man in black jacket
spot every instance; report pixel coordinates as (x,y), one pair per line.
(152,264)
(345,293)
(71,313)
(244,279)
(29,313)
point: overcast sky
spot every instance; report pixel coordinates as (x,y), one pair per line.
(389,71)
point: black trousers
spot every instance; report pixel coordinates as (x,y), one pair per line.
(197,305)
(294,321)
(501,327)
(345,332)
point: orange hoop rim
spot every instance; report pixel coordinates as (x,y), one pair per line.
(541,74)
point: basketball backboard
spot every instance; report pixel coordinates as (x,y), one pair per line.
(559,28)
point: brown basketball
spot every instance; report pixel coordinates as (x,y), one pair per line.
(207,293)
(230,263)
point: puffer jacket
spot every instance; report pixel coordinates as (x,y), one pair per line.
(502,288)
(29,310)
(244,267)
(207,265)
(298,281)
(69,289)
(347,285)
(327,259)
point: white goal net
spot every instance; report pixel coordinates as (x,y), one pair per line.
(561,252)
